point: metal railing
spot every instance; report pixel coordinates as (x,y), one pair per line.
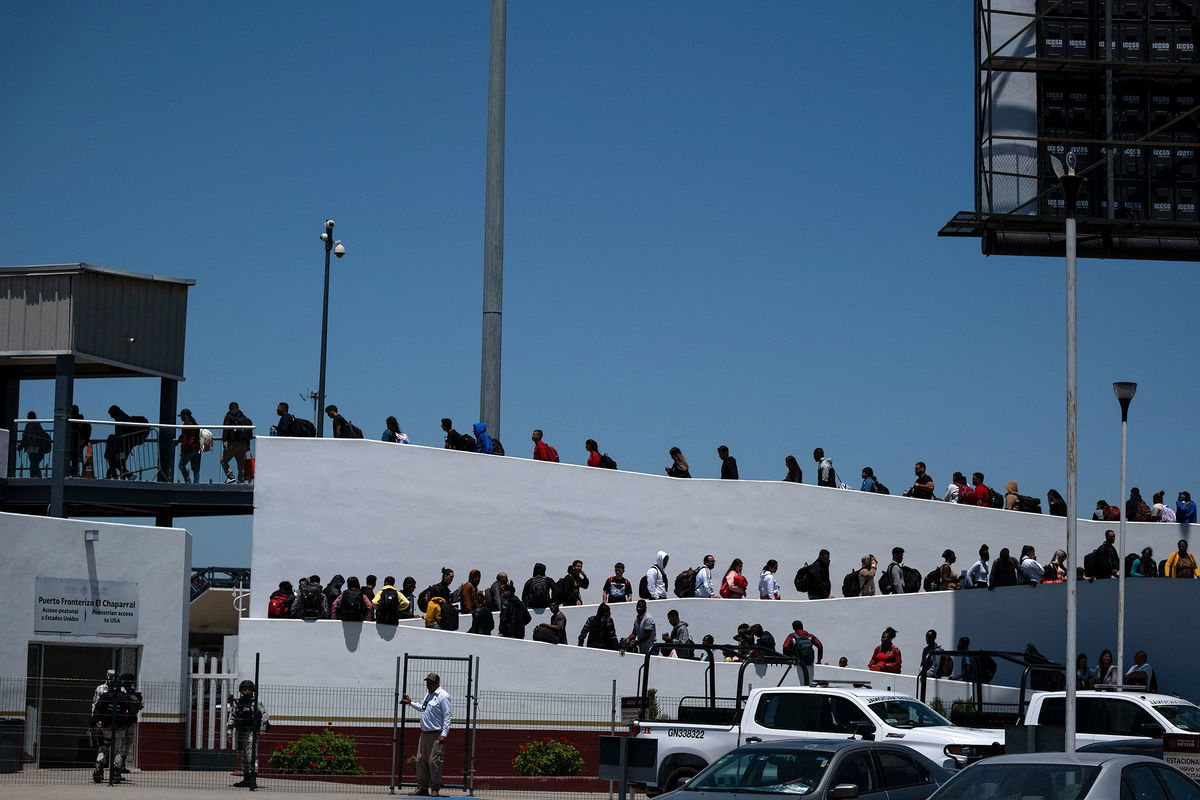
(132,451)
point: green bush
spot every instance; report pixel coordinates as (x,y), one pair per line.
(324,753)
(548,757)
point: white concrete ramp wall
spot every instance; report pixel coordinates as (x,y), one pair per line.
(356,506)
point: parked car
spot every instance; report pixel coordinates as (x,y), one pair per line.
(1069,776)
(1150,748)
(814,713)
(821,769)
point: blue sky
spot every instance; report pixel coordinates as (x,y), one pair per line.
(720,228)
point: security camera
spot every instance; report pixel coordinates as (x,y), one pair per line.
(338,250)
(328,224)
(324,237)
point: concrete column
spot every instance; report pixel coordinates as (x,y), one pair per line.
(10,400)
(64,392)
(168,399)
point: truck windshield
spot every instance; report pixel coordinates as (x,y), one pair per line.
(764,770)
(908,714)
(1186,718)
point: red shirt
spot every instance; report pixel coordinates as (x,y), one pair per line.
(593,458)
(541,451)
(983,495)
(886,662)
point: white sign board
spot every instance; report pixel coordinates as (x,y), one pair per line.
(81,607)
(1182,751)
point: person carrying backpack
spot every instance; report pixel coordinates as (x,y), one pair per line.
(236,443)
(655,580)
(36,443)
(599,631)
(538,590)
(342,427)
(541,450)
(280,604)
(804,646)
(389,603)
(483,442)
(617,589)
(568,592)
(310,602)
(352,605)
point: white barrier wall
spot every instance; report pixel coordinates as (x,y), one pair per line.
(364,654)
(358,506)
(157,559)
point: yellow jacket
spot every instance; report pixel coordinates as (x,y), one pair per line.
(433,612)
(1173,562)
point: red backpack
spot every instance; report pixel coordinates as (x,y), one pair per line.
(552,453)
(1112,514)
(278,607)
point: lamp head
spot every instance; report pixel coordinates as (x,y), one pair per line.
(1124,390)
(338,249)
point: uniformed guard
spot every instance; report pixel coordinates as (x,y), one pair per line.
(248,719)
(110,713)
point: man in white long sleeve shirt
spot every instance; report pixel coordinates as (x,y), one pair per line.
(435,728)
(704,578)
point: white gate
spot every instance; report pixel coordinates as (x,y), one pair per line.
(212,685)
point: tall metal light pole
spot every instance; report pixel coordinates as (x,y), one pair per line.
(1124,391)
(1070,183)
(336,248)
(493,227)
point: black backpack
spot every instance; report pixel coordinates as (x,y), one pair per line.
(242,434)
(539,592)
(995,499)
(465,442)
(851,586)
(607,463)
(302,427)
(449,618)
(387,610)
(1031,505)
(351,608)
(353,431)
(497,448)
(933,581)
(880,488)
(644,589)
(310,601)
(985,668)
(802,581)
(1129,559)
(685,583)
(885,581)
(912,579)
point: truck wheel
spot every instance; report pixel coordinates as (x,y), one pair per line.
(678,776)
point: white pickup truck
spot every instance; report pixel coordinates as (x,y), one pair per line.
(1102,716)
(810,712)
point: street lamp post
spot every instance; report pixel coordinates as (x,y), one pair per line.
(336,248)
(1124,390)
(1070,183)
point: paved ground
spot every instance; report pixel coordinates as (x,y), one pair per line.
(64,785)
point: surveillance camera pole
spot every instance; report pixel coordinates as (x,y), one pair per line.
(1070,183)
(1124,392)
(320,420)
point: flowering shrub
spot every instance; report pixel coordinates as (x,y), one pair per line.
(548,757)
(324,753)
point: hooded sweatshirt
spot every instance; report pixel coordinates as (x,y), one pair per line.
(470,595)
(656,577)
(681,635)
(483,442)
(531,596)
(1011,496)
(333,589)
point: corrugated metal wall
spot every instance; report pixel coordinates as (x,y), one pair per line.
(109,310)
(96,314)
(35,313)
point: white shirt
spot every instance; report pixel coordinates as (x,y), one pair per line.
(435,711)
(951,493)
(656,583)
(1032,570)
(977,575)
(768,587)
(704,584)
